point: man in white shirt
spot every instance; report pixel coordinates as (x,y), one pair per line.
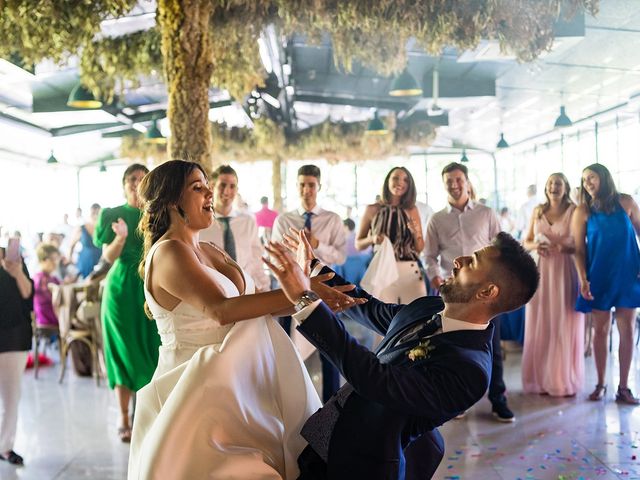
(525,212)
(235,231)
(459,229)
(327,237)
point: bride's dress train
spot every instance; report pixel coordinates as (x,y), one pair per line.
(225,402)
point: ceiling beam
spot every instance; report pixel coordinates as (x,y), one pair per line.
(382,103)
(73,129)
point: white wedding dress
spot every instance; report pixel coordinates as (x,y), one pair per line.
(225,402)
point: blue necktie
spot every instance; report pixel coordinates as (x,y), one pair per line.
(307,220)
(227,237)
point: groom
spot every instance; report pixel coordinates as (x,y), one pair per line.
(433,363)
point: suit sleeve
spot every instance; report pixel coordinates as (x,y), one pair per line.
(373,314)
(442,390)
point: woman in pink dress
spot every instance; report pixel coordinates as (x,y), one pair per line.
(553,355)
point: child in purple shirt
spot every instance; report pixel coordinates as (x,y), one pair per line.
(48,258)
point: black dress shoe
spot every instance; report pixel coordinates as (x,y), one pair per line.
(12,457)
(502,413)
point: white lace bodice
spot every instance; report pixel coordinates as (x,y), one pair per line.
(186,326)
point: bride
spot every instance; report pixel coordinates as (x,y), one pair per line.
(229,397)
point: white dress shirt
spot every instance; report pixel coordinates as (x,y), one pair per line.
(326,226)
(448,324)
(453,233)
(248,247)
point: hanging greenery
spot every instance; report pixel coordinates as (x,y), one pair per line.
(53,29)
(136,148)
(118,61)
(214,41)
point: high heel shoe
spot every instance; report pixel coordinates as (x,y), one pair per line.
(624,395)
(599,393)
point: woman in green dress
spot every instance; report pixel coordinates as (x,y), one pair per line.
(131,340)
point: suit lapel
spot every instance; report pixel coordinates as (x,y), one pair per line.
(419,310)
(473,339)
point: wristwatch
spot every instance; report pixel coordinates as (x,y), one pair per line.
(306,299)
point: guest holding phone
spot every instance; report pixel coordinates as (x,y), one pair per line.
(16,305)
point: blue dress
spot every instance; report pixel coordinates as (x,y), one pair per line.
(613,262)
(89,255)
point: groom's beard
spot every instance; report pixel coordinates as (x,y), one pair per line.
(456,293)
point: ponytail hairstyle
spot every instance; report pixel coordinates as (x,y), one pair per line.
(160,190)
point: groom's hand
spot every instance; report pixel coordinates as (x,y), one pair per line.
(334,297)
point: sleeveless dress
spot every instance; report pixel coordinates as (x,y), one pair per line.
(613,262)
(89,255)
(393,223)
(226,402)
(553,353)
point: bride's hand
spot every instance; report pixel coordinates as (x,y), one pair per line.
(298,243)
(293,281)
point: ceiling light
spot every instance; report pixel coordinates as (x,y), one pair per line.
(563,120)
(81,97)
(464,158)
(376,126)
(405,85)
(154,135)
(52,159)
(103,167)
(502,143)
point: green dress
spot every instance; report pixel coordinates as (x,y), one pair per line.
(131,340)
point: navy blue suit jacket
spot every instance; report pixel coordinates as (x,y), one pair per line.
(386,428)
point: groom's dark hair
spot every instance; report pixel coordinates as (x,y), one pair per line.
(515,272)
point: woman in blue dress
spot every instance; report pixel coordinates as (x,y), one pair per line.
(607,259)
(89,254)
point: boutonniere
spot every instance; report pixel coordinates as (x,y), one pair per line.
(422,350)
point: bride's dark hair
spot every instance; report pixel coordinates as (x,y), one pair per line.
(159,190)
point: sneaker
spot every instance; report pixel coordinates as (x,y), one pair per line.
(502,413)
(624,395)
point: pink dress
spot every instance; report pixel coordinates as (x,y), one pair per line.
(553,355)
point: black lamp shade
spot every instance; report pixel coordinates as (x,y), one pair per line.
(464,158)
(376,126)
(103,167)
(52,159)
(80,97)
(563,120)
(405,85)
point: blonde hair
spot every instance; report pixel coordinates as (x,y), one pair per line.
(45,251)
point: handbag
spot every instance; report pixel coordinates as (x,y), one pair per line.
(382,270)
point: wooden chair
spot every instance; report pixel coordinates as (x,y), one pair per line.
(42,332)
(79,317)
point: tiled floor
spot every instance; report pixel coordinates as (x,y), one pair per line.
(68,432)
